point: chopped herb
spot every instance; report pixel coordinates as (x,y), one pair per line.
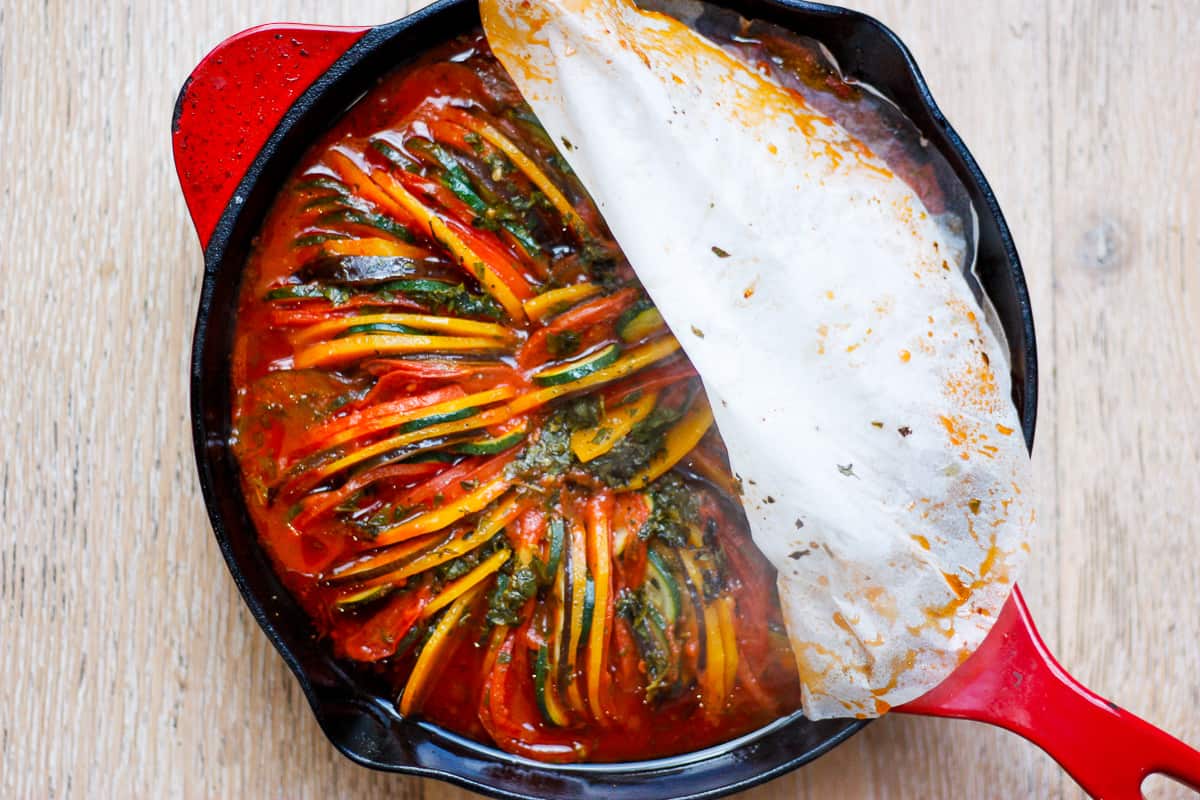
(562,344)
(636,449)
(511,593)
(649,633)
(583,412)
(550,453)
(498,166)
(974,505)
(719,253)
(699,333)
(877,424)
(905,431)
(847,470)
(799,554)
(448,298)
(673,511)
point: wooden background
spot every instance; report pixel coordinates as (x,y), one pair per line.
(128,665)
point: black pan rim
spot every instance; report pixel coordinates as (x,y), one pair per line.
(600,775)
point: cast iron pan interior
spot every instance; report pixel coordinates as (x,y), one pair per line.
(355,711)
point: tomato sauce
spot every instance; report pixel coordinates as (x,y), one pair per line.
(475,453)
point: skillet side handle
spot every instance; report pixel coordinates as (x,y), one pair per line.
(1014,682)
(234,99)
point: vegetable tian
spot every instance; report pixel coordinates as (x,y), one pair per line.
(474,451)
(864,396)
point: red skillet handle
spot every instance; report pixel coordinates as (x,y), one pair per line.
(234,100)
(1013,681)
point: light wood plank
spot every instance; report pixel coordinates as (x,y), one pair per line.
(1126,147)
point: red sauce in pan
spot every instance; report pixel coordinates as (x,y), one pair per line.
(476,455)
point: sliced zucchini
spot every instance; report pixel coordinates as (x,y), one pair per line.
(576,588)
(489,446)
(377,327)
(319,237)
(438,419)
(353,348)
(392,154)
(367,219)
(589,608)
(304,291)
(638,358)
(523,236)
(324,182)
(639,321)
(454,177)
(580,368)
(653,644)
(424,324)
(543,684)
(661,588)
(418,286)
(557,537)
(361,597)
(459,408)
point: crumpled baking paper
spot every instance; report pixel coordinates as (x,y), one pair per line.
(865,403)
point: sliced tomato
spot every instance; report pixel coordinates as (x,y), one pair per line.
(601,311)
(528,530)
(472,376)
(454,135)
(450,484)
(380,635)
(359,423)
(497,257)
(671,372)
(630,512)
(458,216)
(318,504)
(509,712)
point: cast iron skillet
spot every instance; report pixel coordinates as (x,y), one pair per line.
(242,121)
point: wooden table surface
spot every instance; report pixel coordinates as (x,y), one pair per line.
(128,664)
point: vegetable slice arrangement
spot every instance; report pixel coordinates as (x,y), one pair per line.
(476,454)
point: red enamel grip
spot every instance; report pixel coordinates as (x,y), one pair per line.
(1014,682)
(234,100)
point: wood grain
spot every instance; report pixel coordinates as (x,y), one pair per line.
(128,665)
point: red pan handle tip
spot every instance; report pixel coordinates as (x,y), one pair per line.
(1014,682)
(234,100)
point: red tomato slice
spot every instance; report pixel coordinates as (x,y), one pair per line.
(379,636)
